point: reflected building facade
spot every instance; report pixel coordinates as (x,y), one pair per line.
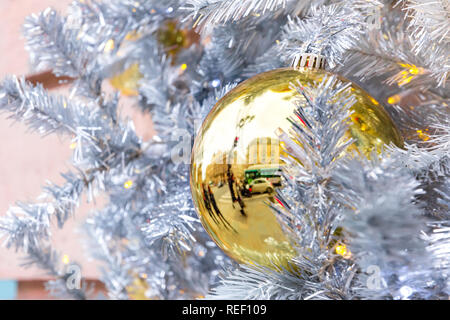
(265,150)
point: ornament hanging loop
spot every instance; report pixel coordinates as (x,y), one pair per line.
(309,60)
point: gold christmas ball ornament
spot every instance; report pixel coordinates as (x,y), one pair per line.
(127,82)
(124,75)
(139,289)
(174,39)
(236,166)
(171,37)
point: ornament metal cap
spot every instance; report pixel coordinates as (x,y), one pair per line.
(309,60)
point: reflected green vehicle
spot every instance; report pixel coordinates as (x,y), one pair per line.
(271,173)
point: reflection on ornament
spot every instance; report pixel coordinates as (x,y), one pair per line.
(128,81)
(236,164)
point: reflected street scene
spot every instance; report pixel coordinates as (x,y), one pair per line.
(236,198)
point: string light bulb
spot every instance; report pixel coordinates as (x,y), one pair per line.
(65,259)
(128,184)
(343,251)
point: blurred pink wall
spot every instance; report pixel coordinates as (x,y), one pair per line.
(27,160)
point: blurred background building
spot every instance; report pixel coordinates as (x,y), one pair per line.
(27,160)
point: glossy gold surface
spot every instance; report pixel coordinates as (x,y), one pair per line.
(238,146)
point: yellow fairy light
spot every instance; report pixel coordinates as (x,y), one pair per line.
(184,66)
(405,76)
(73,145)
(423,135)
(373,100)
(65,259)
(363,127)
(109,45)
(405,80)
(394,99)
(415,70)
(132,36)
(128,184)
(343,251)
